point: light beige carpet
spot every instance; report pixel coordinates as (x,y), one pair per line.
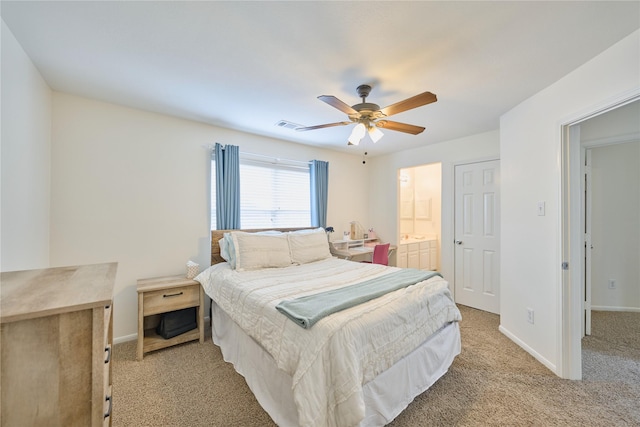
(492,382)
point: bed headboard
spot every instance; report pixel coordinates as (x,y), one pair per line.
(217,235)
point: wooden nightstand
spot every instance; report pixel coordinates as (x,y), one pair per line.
(161,295)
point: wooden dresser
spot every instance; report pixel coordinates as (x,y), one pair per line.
(57,331)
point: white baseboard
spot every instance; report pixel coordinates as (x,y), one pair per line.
(609,308)
(133,337)
(125,338)
(528,349)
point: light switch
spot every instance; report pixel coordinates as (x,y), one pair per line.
(540,208)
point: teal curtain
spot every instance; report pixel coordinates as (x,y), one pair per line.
(319,174)
(227,161)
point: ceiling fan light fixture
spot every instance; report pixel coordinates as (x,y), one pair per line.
(357,134)
(375,134)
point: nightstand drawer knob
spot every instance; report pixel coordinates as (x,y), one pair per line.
(172,295)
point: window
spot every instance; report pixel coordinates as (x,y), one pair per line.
(272,195)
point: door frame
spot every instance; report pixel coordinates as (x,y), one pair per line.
(586,214)
(571,293)
(450,244)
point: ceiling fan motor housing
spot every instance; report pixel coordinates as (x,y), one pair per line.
(367,111)
(363,91)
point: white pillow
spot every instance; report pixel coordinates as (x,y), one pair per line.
(254,251)
(227,249)
(224,247)
(309,247)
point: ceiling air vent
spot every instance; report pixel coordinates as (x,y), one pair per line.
(288,125)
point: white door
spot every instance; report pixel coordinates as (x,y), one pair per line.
(477,235)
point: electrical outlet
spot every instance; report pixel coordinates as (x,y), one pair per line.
(612,284)
(530,315)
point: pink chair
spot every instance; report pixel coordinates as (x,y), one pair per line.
(380,254)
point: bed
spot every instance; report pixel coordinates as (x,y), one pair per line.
(358,366)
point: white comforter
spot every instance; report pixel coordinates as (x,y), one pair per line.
(331,361)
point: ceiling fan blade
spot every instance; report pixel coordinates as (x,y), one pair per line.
(400,127)
(336,103)
(328,125)
(410,103)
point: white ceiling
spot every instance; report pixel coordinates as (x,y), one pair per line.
(248,65)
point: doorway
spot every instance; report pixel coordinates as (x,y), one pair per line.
(581,282)
(612,211)
(419,223)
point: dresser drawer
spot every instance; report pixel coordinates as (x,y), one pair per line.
(171,299)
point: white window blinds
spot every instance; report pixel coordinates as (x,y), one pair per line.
(272,195)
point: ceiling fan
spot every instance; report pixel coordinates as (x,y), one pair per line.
(370,117)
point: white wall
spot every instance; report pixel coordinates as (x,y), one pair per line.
(407,200)
(428,189)
(616,221)
(25,151)
(133,187)
(384,190)
(620,124)
(530,153)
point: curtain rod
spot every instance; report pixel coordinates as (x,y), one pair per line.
(274,159)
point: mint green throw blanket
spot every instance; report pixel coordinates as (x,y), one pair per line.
(307,310)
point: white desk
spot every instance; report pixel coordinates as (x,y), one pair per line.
(347,249)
